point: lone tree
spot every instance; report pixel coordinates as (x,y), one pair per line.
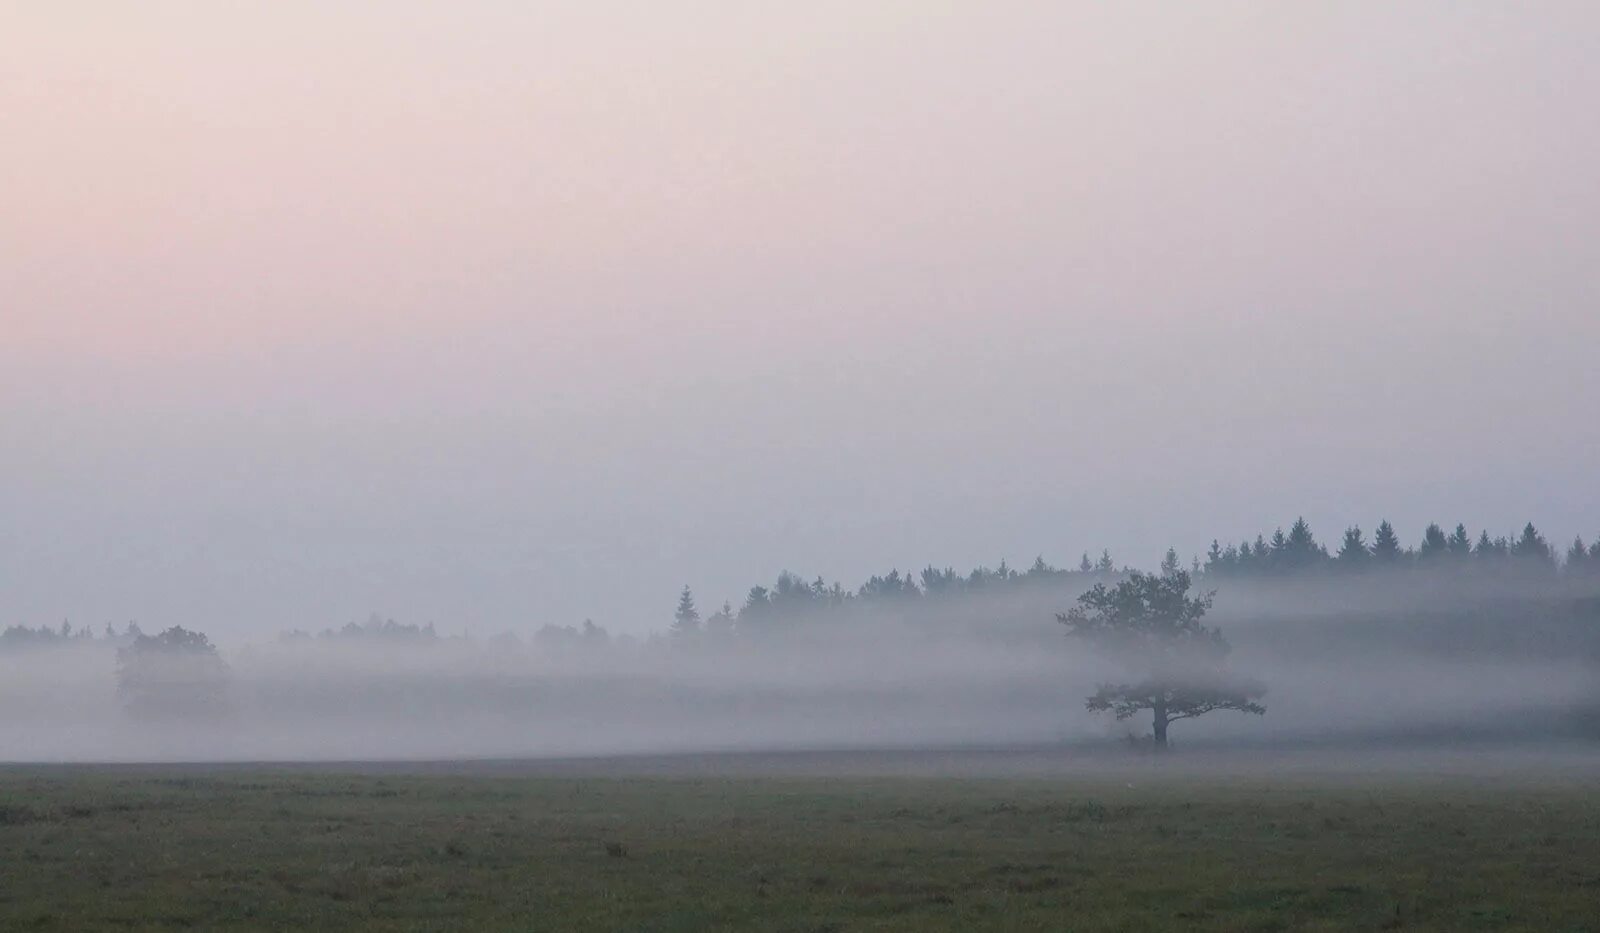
(1151,625)
(174,675)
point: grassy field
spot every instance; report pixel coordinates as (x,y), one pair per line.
(273,849)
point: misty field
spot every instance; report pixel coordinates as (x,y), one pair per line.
(155,848)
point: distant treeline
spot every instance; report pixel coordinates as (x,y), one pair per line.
(1295,554)
(1297,551)
(375,627)
(22,636)
(1286,555)
(376,630)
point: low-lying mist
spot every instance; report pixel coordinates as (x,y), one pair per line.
(1415,659)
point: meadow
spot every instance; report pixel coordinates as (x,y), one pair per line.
(304,848)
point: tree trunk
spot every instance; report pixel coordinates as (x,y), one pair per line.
(1160,726)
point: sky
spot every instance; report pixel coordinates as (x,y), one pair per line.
(502,314)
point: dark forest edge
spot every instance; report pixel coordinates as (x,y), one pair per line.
(1286,556)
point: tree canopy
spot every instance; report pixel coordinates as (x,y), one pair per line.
(1151,625)
(175,674)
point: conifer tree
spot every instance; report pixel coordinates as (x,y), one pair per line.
(1300,549)
(1353,553)
(1386,548)
(1577,557)
(720,623)
(686,620)
(1278,557)
(1532,546)
(1434,543)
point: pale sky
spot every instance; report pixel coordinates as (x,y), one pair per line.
(498,314)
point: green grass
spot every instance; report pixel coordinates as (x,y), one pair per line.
(85,849)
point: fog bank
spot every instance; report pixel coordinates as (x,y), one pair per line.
(1433,662)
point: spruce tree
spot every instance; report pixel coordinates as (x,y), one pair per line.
(1485,547)
(1577,557)
(1434,543)
(1386,548)
(1301,550)
(1260,557)
(720,622)
(1278,557)
(1353,553)
(686,620)
(1532,546)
